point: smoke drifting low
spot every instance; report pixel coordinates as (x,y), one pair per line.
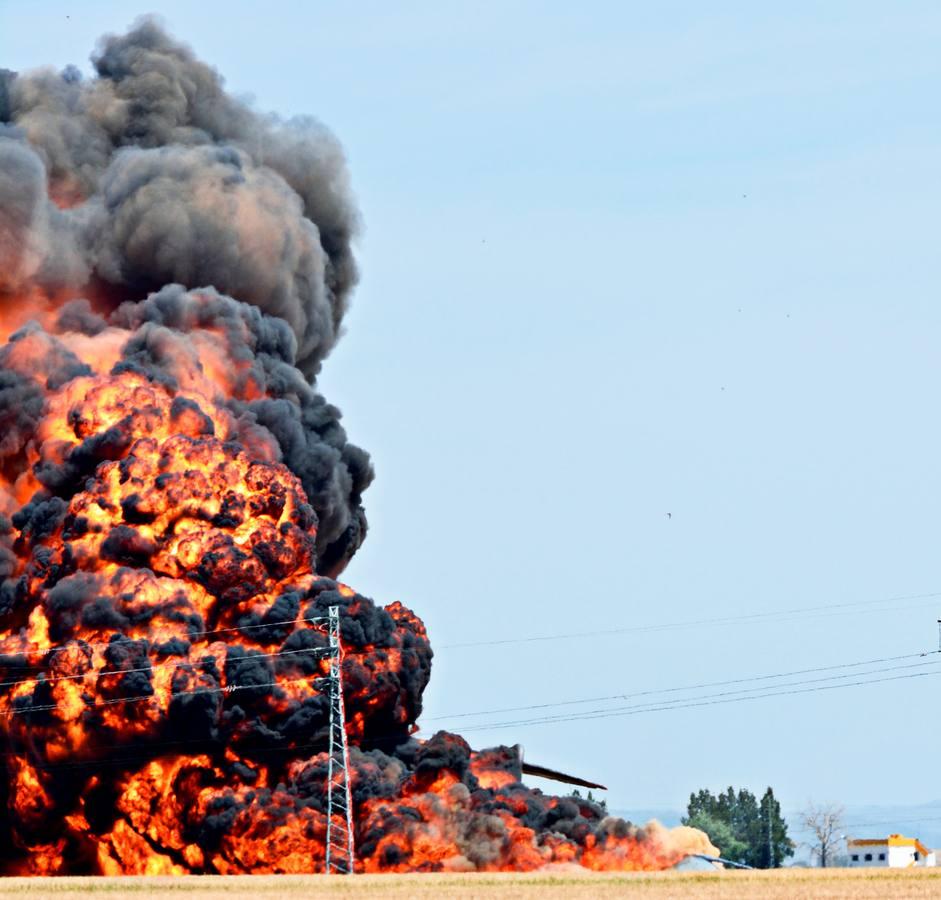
(177,500)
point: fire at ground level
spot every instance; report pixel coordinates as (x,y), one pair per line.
(826,884)
(177,499)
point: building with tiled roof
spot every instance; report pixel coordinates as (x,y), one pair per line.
(895,852)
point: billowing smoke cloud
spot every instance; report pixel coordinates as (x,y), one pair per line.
(177,498)
(38,243)
(153,96)
(149,175)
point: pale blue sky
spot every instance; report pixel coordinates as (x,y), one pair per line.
(623,260)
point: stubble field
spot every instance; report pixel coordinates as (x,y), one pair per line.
(826,884)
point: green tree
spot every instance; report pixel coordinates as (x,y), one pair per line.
(743,829)
(772,839)
(720,833)
(704,802)
(746,823)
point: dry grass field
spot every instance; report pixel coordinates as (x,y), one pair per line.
(827,885)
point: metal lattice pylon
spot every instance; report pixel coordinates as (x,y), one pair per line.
(339,856)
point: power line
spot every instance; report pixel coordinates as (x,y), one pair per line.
(214,746)
(724,697)
(150,639)
(139,698)
(683,703)
(903,819)
(836,609)
(42,679)
(667,703)
(746,619)
(693,702)
(691,687)
(749,618)
(680,703)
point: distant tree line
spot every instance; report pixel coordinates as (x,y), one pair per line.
(744,829)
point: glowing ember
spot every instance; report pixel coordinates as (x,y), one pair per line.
(176,501)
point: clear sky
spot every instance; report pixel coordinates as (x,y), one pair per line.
(647,333)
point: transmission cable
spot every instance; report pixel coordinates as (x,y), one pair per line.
(746,619)
(666,706)
(138,698)
(690,687)
(42,679)
(689,703)
(151,639)
(740,691)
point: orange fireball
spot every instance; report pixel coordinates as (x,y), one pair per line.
(177,500)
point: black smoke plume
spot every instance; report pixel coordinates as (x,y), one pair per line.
(149,177)
(176,499)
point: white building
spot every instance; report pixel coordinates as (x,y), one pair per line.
(895,852)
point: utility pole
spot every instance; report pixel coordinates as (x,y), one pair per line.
(339,850)
(770,850)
